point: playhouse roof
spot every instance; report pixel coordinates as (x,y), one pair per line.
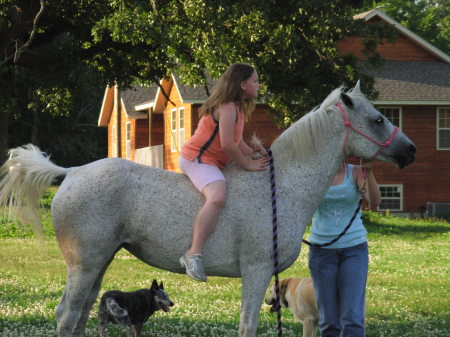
(138,95)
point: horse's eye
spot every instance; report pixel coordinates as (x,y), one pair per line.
(380,120)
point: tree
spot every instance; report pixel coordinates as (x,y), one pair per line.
(42,56)
(292,44)
(430,19)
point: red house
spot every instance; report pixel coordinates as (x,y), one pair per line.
(414,93)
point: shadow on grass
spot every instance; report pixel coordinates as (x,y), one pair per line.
(165,326)
(436,326)
(389,225)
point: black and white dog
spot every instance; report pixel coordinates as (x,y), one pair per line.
(131,309)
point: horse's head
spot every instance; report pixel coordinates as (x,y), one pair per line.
(370,134)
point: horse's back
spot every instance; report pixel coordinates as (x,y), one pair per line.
(115,182)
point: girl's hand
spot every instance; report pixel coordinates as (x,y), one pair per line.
(259,164)
(261,150)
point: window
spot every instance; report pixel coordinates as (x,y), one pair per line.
(180,127)
(391,198)
(173,130)
(443,128)
(394,114)
(128,148)
(177,129)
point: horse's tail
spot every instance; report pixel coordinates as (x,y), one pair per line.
(23,180)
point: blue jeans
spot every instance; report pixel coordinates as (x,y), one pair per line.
(340,277)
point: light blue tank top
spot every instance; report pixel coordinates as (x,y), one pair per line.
(334,214)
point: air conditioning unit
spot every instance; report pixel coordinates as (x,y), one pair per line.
(438,209)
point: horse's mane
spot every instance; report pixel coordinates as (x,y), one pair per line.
(301,137)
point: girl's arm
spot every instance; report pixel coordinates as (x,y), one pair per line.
(248,151)
(372,195)
(245,149)
(227,120)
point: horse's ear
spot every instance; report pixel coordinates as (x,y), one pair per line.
(357,88)
(347,100)
(154,285)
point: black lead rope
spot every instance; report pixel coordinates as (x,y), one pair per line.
(362,192)
(275,239)
(275,243)
(340,235)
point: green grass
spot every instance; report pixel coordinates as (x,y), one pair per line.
(408,287)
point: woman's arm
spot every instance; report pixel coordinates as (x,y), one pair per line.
(372,194)
(227,120)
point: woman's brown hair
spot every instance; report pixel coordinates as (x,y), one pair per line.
(228,89)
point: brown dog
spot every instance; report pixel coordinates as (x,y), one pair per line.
(299,296)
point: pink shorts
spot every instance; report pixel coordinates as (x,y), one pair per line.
(199,173)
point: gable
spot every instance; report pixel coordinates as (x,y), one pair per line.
(408,45)
(107,107)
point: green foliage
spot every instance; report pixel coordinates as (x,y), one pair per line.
(44,77)
(15,229)
(293,46)
(55,64)
(428,19)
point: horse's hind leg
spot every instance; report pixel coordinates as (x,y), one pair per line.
(82,287)
(254,285)
(81,324)
(70,309)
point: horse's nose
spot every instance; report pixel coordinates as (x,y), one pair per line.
(412,149)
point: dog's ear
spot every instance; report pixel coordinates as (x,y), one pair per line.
(161,286)
(154,285)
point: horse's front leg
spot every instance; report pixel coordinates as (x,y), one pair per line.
(255,280)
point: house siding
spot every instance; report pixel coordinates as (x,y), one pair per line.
(427,180)
(261,123)
(157,131)
(171,158)
(141,134)
(403,49)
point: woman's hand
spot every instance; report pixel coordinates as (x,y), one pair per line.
(368,183)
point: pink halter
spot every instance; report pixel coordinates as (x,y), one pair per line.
(349,126)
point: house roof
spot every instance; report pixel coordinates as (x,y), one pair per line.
(195,94)
(405,32)
(413,81)
(137,97)
(135,100)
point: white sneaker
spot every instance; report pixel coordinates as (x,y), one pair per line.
(194,266)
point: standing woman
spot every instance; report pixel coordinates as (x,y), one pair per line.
(339,271)
(217,141)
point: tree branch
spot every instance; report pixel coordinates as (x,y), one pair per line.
(155,80)
(16,55)
(32,34)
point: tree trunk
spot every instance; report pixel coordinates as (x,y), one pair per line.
(3,136)
(35,128)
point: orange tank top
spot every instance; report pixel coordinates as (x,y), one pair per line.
(205,145)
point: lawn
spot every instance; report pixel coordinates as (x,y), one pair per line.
(408,287)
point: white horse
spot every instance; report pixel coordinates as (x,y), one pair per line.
(113,203)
